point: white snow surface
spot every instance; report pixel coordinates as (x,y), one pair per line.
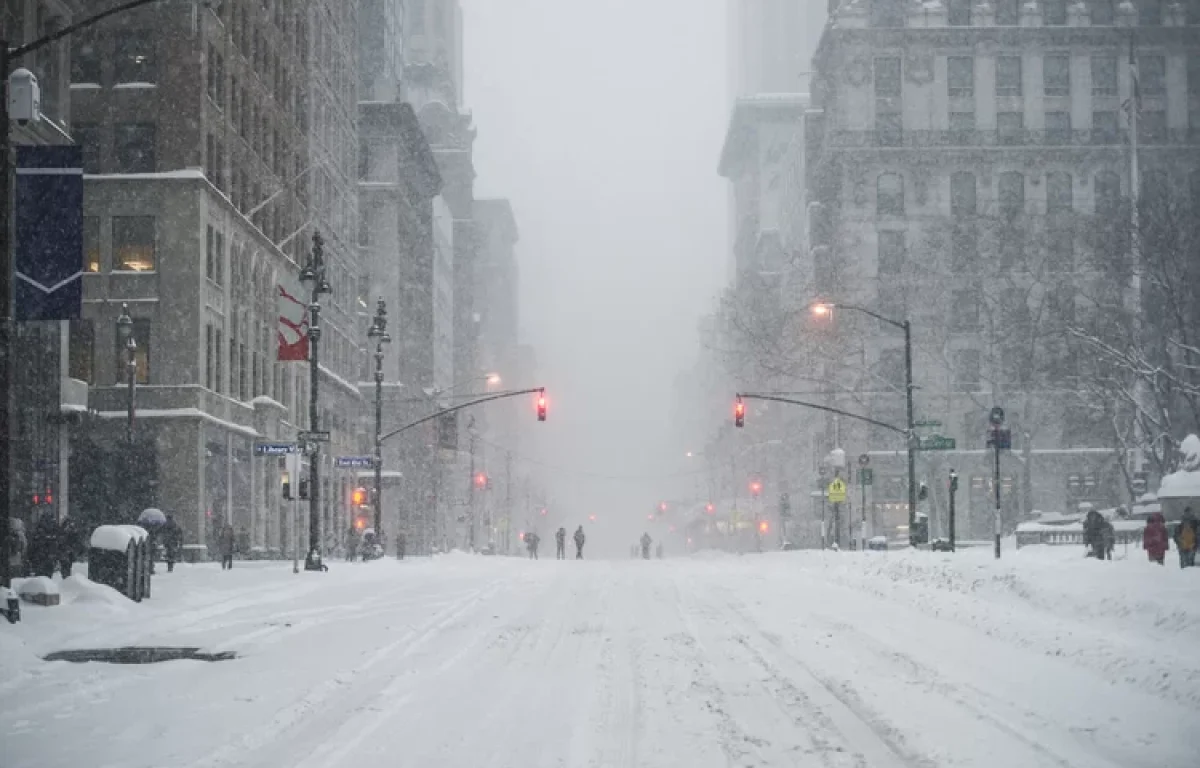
(116,537)
(38,585)
(876,659)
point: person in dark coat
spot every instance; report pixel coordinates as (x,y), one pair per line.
(1093,534)
(70,545)
(646,546)
(1154,538)
(1108,538)
(531,541)
(226,544)
(560,542)
(43,545)
(172,537)
(579,539)
(401,544)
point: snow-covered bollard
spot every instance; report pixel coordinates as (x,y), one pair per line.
(39,591)
(117,558)
(12,609)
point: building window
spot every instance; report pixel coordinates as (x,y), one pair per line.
(1011,193)
(1010,127)
(91,243)
(1058,127)
(1107,189)
(1102,13)
(960,72)
(1008,76)
(1152,126)
(141,335)
(1104,75)
(214,255)
(1149,13)
(219,361)
(1056,75)
(87,138)
(964,310)
(887,77)
(85,59)
(81,356)
(959,13)
(889,194)
(887,13)
(1060,249)
(1008,13)
(1054,13)
(1104,127)
(962,127)
(1152,75)
(209,357)
(891,252)
(134,147)
(964,248)
(889,129)
(967,369)
(135,57)
(133,243)
(962,194)
(1058,193)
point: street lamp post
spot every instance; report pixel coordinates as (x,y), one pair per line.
(826,309)
(313,277)
(7,57)
(125,328)
(378,332)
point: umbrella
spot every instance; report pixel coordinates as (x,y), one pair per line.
(152,516)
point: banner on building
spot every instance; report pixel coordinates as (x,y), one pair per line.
(293,324)
(48,240)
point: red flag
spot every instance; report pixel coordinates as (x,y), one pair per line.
(293,327)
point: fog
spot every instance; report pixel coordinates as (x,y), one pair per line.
(603,122)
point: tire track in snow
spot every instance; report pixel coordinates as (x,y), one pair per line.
(321,699)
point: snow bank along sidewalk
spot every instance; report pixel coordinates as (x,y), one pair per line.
(1127,619)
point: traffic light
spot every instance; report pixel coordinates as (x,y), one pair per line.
(662,507)
(480,480)
(709,508)
(541,407)
(762,526)
(592,518)
(739,413)
(360,497)
(304,490)
(286,485)
(755,487)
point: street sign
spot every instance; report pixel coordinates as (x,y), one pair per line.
(837,490)
(866,476)
(274,449)
(354,462)
(1000,438)
(864,460)
(927,423)
(313,437)
(937,443)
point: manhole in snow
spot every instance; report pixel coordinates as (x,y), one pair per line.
(139,655)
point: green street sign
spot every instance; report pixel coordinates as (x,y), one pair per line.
(927,423)
(937,443)
(866,476)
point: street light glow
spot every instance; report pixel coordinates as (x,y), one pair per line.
(822,310)
(493,378)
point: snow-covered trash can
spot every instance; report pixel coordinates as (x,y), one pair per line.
(118,557)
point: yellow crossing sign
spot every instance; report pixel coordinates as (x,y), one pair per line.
(837,490)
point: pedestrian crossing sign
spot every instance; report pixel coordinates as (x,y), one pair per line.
(837,490)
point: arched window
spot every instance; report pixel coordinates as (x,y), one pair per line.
(1012,193)
(889,194)
(1058,193)
(962,194)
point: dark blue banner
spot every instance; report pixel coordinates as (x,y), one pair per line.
(48,242)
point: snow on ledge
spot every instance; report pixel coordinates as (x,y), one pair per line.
(268,401)
(116,538)
(182,173)
(133,86)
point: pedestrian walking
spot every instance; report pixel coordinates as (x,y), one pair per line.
(1154,538)
(560,541)
(646,541)
(401,544)
(1093,534)
(44,544)
(1185,539)
(172,536)
(531,541)
(579,539)
(226,544)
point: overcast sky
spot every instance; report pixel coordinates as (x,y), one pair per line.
(603,122)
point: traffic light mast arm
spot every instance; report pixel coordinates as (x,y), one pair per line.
(838,411)
(462,406)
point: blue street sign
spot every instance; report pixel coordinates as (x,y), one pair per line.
(274,449)
(354,462)
(48,241)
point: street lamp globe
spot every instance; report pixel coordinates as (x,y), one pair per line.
(822,309)
(125,323)
(492,378)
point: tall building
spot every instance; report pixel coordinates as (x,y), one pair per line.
(216,141)
(965,159)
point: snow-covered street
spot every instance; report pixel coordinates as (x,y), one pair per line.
(801,658)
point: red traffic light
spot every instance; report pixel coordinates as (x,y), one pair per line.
(709,508)
(541,408)
(543,510)
(662,506)
(360,523)
(755,487)
(592,518)
(739,413)
(359,497)
(480,480)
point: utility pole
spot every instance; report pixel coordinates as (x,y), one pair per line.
(313,275)
(471,491)
(378,332)
(953,493)
(508,500)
